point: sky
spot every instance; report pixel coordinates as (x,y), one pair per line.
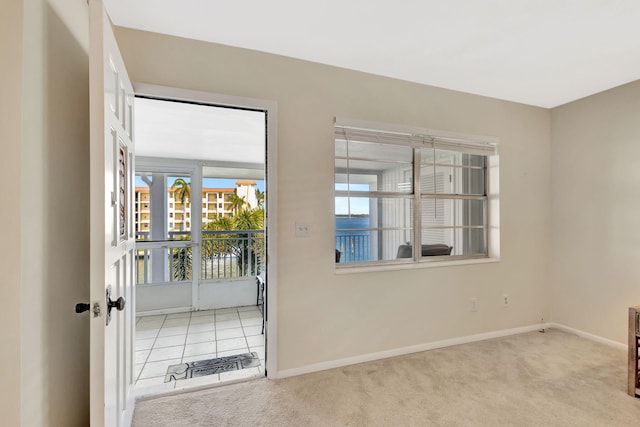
(207,182)
(355,206)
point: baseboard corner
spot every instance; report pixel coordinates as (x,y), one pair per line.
(589,336)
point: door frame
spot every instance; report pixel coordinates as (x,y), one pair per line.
(271,173)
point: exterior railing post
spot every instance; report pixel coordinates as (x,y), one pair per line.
(249,261)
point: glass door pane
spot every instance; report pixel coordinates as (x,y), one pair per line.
(232,228)
(163,228)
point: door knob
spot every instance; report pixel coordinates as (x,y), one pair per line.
(117,304)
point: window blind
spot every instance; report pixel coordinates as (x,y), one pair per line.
(415,139)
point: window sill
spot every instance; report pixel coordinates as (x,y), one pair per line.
(351,269)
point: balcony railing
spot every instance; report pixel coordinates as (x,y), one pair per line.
(232,254)
(353,247)
(225,254)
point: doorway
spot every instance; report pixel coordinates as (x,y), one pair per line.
(201,244)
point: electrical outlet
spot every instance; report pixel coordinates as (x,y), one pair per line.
(303,229)
(505,300)
(473,304)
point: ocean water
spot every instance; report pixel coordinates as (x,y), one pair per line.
(352,222)
(354,245)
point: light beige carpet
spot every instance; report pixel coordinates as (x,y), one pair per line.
(532,379)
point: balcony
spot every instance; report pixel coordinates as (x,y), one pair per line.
(230,323)
(353,247)
(165,340)
(225,255)
(232,254)
(196,291)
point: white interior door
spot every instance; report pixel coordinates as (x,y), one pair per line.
(112,239)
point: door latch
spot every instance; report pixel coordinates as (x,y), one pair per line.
(82,307)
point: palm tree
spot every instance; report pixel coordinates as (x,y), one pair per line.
(260,197)
(213,244)
(183,190)
(221,223)
(249,219)
(182,193)
(182,257)
(248,250)
(235,240)
(237,202)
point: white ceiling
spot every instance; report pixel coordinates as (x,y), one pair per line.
(216,136)
(538,52)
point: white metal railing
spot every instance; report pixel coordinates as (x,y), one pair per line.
(163,261)
(225,254)
(353,247)
(232,253)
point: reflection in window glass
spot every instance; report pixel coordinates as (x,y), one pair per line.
(376,191)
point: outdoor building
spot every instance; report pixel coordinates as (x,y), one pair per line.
(216,202)
(246,190)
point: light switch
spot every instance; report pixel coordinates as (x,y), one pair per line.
(303,229)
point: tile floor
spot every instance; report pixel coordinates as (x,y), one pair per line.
(169,339)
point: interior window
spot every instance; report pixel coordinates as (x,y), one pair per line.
(393,189)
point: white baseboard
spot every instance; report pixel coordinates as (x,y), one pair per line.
(406,350)
(589,336)
(185,309)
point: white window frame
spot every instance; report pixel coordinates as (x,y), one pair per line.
(416,137)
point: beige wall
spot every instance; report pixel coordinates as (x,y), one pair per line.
(586,180)
(45,154)
(67,226)
(596,211)
(10,137)
(323,316)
